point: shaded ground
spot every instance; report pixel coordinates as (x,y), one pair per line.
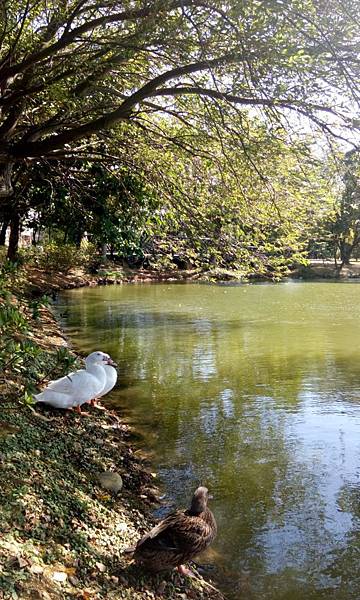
(328,270)
(62,535)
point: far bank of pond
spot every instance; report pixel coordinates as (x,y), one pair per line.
(253,390)
(111,274)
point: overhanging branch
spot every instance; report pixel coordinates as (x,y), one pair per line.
(234,99)
(123,112)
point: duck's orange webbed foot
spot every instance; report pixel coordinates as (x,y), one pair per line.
(95,403)
(77,409)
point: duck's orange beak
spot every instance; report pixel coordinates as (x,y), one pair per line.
(110,361)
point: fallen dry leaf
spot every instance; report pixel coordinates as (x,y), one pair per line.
(103,497)
(59,576)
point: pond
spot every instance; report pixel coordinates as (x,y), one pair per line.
(253,390)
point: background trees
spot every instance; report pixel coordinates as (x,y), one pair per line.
(206,210)
(346,224)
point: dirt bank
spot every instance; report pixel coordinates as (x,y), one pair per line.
(52,282)
(42,282)
(319,269)
(62,534)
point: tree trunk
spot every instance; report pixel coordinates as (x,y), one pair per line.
(33,237)
(78,238)
(6,189)
(3,230)
(335,255)
(14,237)
(345,252)
(39,232)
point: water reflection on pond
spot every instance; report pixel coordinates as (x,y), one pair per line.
(253,390)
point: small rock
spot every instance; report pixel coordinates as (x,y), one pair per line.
(110,481)
(22,562)
(59,576)
(101,567)
(74,580)
(114,579)
(121,527)
(36,569)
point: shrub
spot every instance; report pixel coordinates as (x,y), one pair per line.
(56,257)
(91,258)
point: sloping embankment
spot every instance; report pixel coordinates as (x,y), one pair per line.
(63,536)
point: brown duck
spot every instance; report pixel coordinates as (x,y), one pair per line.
(179,537)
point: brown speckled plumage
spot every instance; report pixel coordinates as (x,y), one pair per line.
(179,537)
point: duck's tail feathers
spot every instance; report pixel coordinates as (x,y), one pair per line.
(39,397)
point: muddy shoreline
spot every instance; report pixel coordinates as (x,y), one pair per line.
(62,534)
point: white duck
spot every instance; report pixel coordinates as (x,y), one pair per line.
(111,379)
(81,386)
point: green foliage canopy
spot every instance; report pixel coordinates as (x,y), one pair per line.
(71,70)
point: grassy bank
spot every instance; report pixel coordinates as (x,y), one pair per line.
(63,534)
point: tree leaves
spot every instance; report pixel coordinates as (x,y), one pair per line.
(72,72)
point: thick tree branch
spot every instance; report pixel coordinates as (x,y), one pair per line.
(123,112)
(234,99)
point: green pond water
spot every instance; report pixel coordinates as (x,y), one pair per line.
(253,390)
